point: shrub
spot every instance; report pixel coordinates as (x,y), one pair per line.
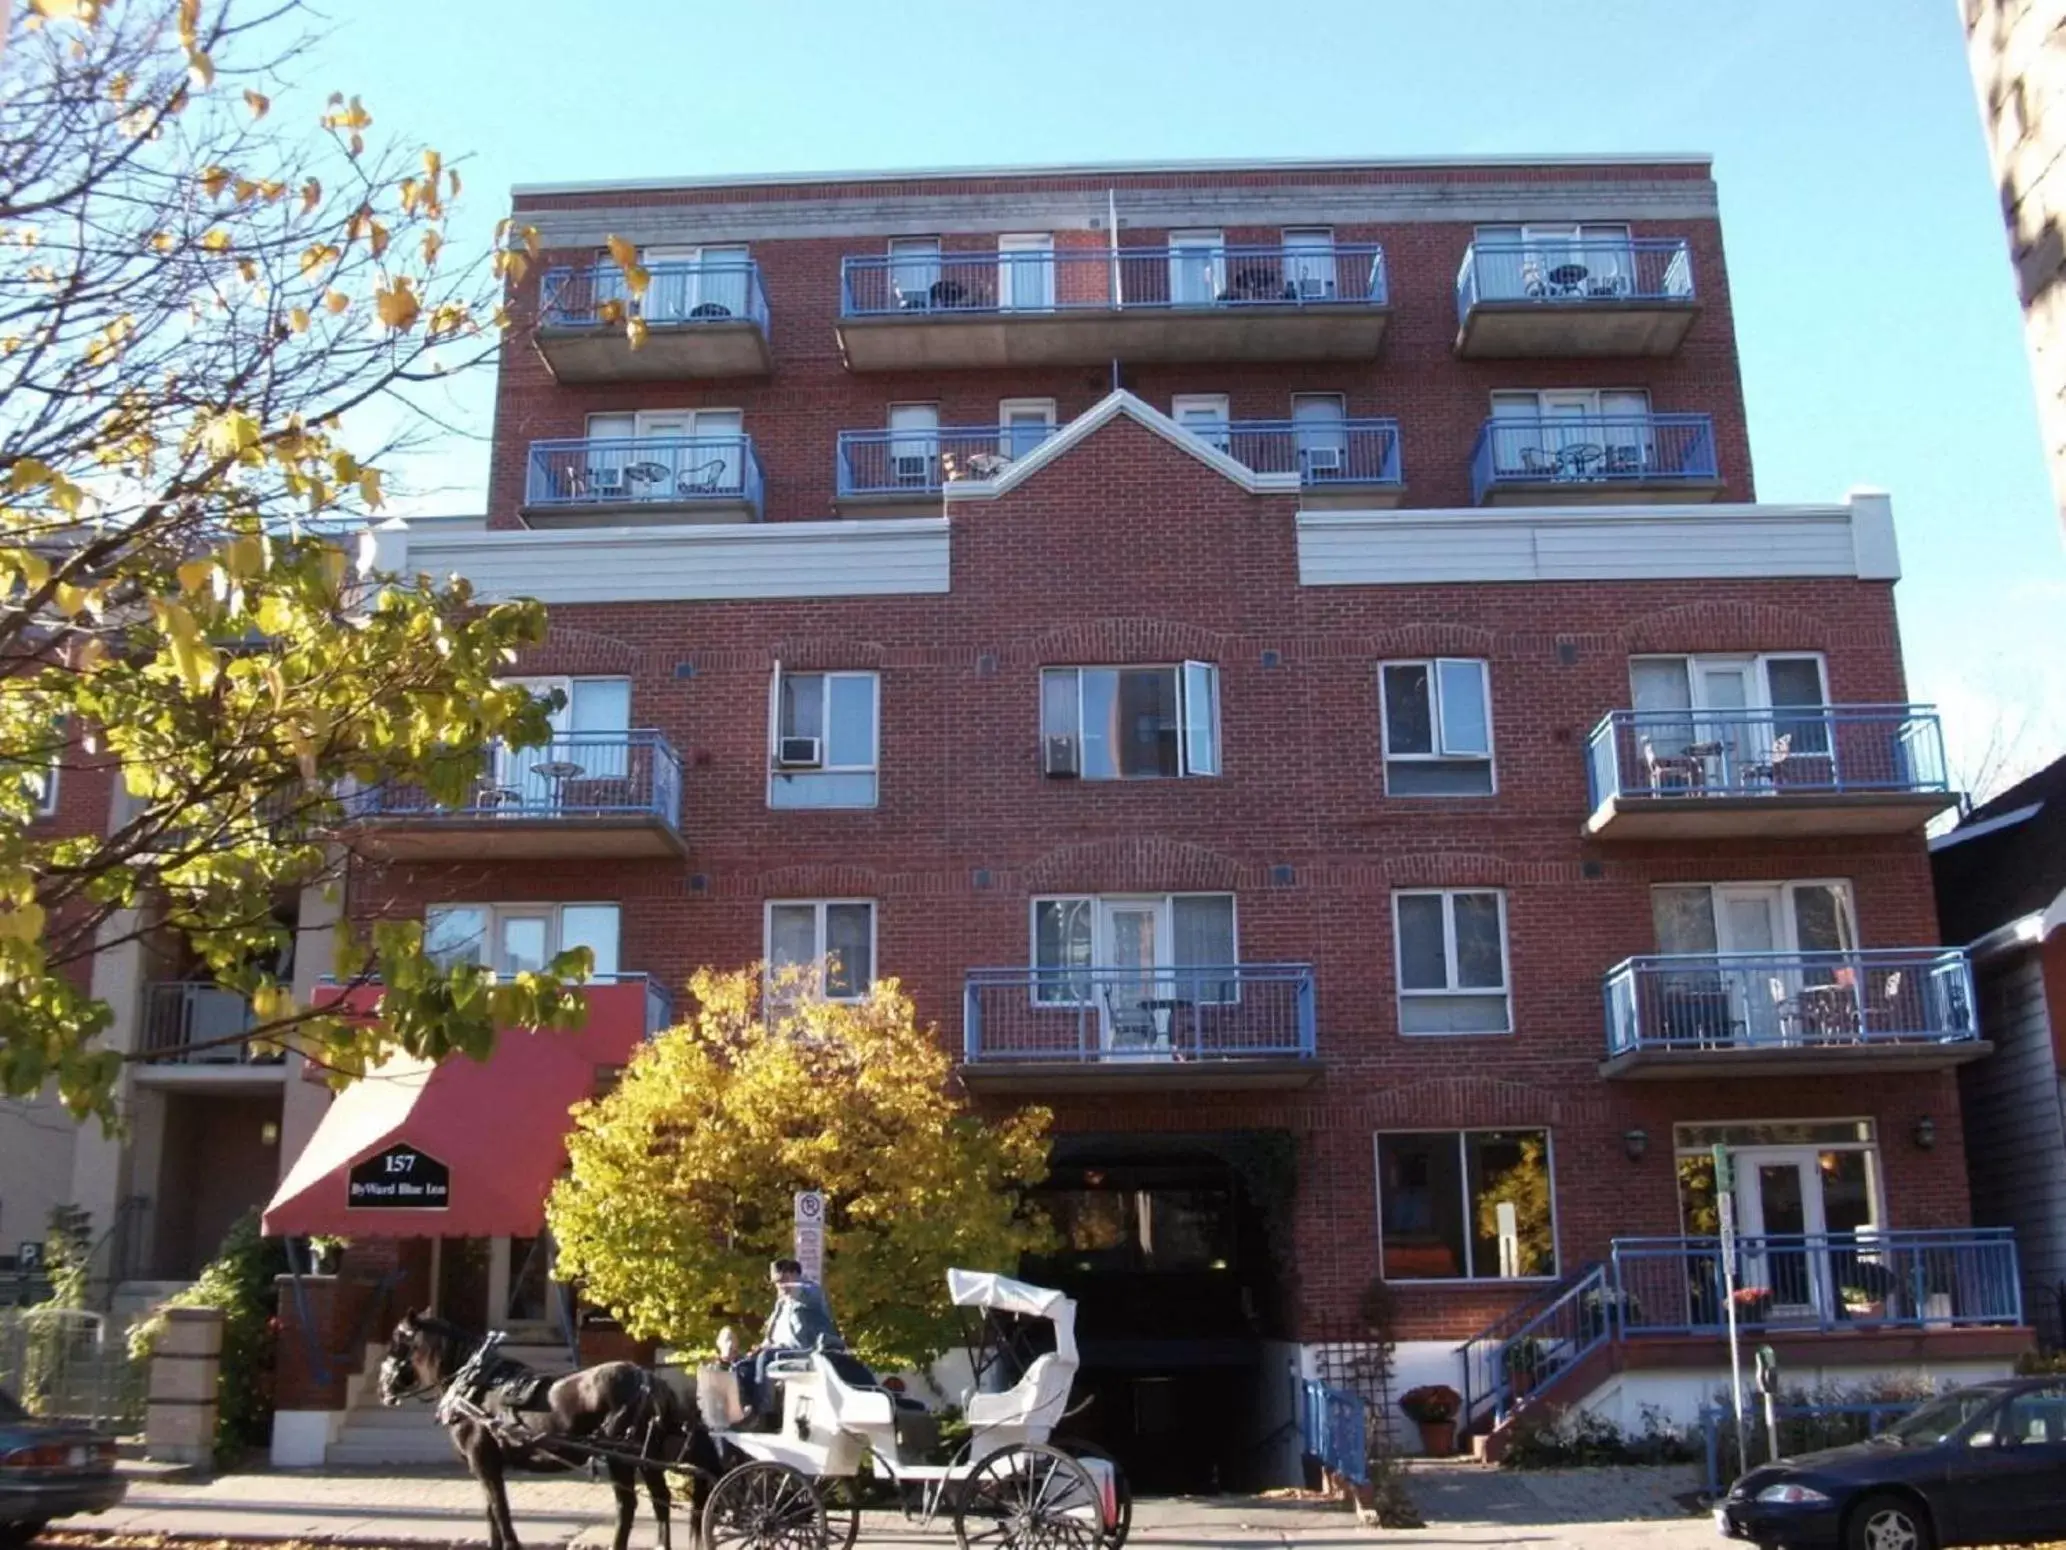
(1435,1402)
(1553,1437)
(239,1282)
(2035,1364)
(1812,1433)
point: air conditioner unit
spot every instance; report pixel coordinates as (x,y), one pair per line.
(608,480)
(912,470)
(1058,758)
(1313,287)
(1324,462)
(798,753)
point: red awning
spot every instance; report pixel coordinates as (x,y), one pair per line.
(494,1130)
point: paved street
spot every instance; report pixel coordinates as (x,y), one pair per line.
(1465,1505)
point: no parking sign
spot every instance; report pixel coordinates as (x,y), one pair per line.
(810,1233)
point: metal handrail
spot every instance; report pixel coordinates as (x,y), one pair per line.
(1561,271)
(1767,751)
(644,470)
(1101,1014)
(572,777)
(678,292)
(1593,449)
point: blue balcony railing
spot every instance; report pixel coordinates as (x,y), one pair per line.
(677,293)
(1590,450)
(190,1023)
(1827,1000)
(644,470)
(1091,1016)
(1782,751)
(1321,453)
(575,777)
(1534,1343)
(1334,1430)
(1110,280)
(1954,1277)
(1567,272)
(919,462)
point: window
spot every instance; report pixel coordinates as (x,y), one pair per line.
(512,938)
(823,729)
(1145,947)
(1554,262)
(37,772)
(1736,918)
(914,269)
(1452,961)
(1574,433)
(830,940)
(1197,267)
(1026,271)
(1750,701)
(1135,722)
(1470,1205)
(695,282)
(664,455)
(1437,718)
(590,734)
(1023,424)
(914,445)
(1309,263)
(1204,415)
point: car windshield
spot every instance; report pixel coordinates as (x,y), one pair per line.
(1940,1418)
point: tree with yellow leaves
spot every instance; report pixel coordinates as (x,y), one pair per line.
(683,1178)
(203,294)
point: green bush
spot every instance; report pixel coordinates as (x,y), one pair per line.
(1551,1437)
(239,1282)
(1812,1433)
(2038,1364)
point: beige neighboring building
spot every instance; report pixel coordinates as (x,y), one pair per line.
(2018,53)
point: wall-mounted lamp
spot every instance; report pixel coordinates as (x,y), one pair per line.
(1925,1134)
(1635,1142)
(269,1133)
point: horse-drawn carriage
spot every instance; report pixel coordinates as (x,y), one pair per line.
(800,1486)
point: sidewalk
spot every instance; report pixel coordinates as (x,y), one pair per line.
(1465,1504)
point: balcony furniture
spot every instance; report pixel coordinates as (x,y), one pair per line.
(710,309)
(645,475)
(494,796)
(1684,771)
(1257,285)
(1169,1013)
(1700,1016)
(1624,461)
(1824,1014)
(1133,1024)
(1539,460)
(703,479)
(1765,771)
(1569,278)
(559,772)
(1576,461)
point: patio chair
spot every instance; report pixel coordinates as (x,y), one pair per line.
(1765,771)
(1671,772)
(1133,1025)
(1540,461)
(703,479)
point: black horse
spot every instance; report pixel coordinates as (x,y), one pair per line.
(512,1418)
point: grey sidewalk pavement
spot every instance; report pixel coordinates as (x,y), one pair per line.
(1465,1505)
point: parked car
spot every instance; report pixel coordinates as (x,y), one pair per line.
(1984,1465)
(50,1469)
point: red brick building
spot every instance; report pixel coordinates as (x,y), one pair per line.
(1286,664)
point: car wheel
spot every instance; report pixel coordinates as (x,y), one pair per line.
(1887,1522)
(15,1535)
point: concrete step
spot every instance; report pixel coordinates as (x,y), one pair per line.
(405,1448)
(412,1417)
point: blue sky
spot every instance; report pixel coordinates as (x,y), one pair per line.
(1875,311)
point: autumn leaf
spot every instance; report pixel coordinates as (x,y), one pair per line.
(257,101)
(397,304)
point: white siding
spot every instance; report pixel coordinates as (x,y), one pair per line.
(2015,1135)
(686,564)
(1379,548)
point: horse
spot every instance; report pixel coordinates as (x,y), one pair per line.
(616,1402)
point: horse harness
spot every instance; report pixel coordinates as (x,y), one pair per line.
(510,1400)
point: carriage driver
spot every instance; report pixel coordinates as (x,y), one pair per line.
(802,1320)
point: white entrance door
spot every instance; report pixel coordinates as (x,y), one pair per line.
(1134,947)
(1026,272)
(1779,1201)
(1572,434)
(1197,268)
(1204,415)
(1309,264)
(1320,426)
(1727,741)
(914,445)
(1747,921)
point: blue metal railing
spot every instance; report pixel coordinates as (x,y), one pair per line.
(1094,1015)
(1333,1430)
(190,1023)
(574,776)
(1781,750)
(1950,1277)
(1321,453)
(685,292)
(1563,272)
(644,470)
(1584,451)
(919,462)
(1109,279)
(1534,1342)
(1837,1000)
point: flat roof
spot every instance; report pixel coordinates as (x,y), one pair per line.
(1105,168)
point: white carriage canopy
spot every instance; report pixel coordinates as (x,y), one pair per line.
(985,1289)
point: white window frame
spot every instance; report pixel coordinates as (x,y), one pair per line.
(552,911)
(1549,1161)
(825,766)
(1440,753)
(1100,955)
(819,906)
(1761,676)
(1037,243)
(1783,891)
(1222,436)
(1188,673)
(1186,246)
(1452,990)
(1007,407)
(40,776)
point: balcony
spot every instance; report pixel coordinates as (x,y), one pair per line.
(1090,306)
(192,1035)
(890,469)
(1601,296)
(1130,1029)
(1703,1015)
(1825,1283)
(1786,771)
(584,794)
(1594,460)
(639,481)
(702,320)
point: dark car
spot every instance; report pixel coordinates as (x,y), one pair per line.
(50,1469)
(1981,1466)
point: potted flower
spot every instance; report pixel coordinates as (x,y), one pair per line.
(1433,1408)
(1525,1361)
(1753,1304)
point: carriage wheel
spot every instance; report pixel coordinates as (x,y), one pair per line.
(842,1499)
(1031,1497)
(763,1506)
(1121,1523)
